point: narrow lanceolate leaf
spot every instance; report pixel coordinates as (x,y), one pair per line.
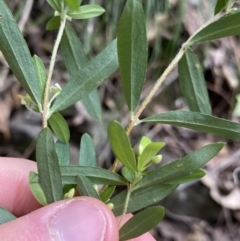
(59,127)
(36,188)
(95,174)
(88,78)
(182,166)
(6,216)
(63,153)
(75,59)
(53,23)
(121,145)
(188,178)
(92,104)
(55,4)
(192,83)
(198,122)
(87,153)
(227,25)
(72,51)
(85,12)
(149,152)
(141,223)
(85,187)
(74,4)
(132,51)
(221,5)
(41,73)
(16,53)
(48,166)
(107,193)
(141,198)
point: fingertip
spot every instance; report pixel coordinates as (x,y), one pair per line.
(16,195)
(81,218)
(92,221)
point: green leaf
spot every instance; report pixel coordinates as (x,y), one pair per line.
(141,223)
(63,153)
(96,175)
(107,193)
(55,4)
(141,198)
(86,188)
(145,141)
(74,4)
(188,178)
(121,145)
(198,122)
(72,51)
(192,83)
(41,73)
(48,166)
(89,78)
(87,155)
(36,188)
(75,59)
(17,55)
(149,152)
(132,51)
(128,174)
(53,23)
(92,104)
(6,216)
(87,11)
(227,25)
(220,5)
(182,166)
(59,127)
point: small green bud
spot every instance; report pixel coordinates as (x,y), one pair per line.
(25,100)
(96,187)
(55,89)
(110,206)
(140,150)
(70,193)
(157,159)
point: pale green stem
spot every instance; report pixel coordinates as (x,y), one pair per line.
(129,189)
(154,90)
(51,68)
(167,71)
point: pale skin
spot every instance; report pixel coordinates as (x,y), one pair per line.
(80,218)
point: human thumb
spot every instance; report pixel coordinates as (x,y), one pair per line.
(77,219)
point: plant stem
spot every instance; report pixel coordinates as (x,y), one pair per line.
(154,89)
(129,189)
(50,72)
(185,46)
(150,96)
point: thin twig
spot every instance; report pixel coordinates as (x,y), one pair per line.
(146,101)
(125,205)
(50,71)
